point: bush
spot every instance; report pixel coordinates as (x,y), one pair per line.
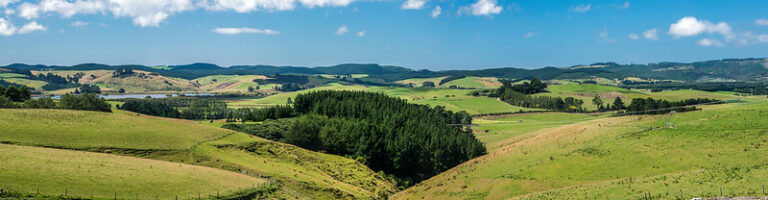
(85,102)
(46,103)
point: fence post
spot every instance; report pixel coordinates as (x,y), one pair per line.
(217,193)
(721,191)
(37,189)
(65,192)
(681,194)
(198,195)
(763,189)
(115,195)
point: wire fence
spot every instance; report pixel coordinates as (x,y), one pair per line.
(11,193)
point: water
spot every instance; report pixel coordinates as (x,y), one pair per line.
(137,96)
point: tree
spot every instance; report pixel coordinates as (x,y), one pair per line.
(250,89)
(289,102)
(598,102)
(121,91)
(6,102)
(618,104)
(85,102)
(428,84)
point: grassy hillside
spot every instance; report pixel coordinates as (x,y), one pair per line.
(505,129)
(300,173)
(82,174)
(620,158)
(90,129)
(473,105)
(136,83)
(417,82)
(474,82)
(231,83)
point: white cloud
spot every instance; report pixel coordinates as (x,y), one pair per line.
(690,26)
(763,38)
(530,35)
(322,3)
(414,4)
(482,7)
(634,36)
(342,30)
(625,5)
(148,12)
(603,35)
(436,12)
(244,6)
(761,22)
(9,12)
(31,27)
(245,30)
(4,3)
(581,8)
(709,42)
(79,24)
(361,33)
(6,27)
(651,34)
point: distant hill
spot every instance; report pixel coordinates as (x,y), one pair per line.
(748,69)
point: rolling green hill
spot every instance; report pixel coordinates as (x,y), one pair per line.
(616,158)
(104,176)
(298,173)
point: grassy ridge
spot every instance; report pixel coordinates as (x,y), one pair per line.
(301,173)
(88,129)
(52,171)
(620,157)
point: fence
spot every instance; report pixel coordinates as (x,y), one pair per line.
(9,193)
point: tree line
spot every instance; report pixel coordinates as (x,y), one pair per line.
(520,95)
(412,142)
(654,106)
(203,109)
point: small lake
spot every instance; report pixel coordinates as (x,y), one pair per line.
(138,96)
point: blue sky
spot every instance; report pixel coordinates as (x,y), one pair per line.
(463,34)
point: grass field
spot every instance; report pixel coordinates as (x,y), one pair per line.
(619,158)
(231,83)
(474,82)
(417,82)
(87,129)
(473,105)
(26,82)
(82,174)
(12,75)
(502,130)
(150,82)
(300,173)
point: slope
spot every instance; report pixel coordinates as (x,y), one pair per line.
(620,158)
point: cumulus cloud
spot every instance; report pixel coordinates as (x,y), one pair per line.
(581,8)
(530,35)
(761,22)
(436,12)
(361,33)
(603,35)
(9,12)
(244,6)
(79,24)
(147,13)
(634,36)
(651,34)
(342,30)
(414,4)
(7,28)
(31,27)
(709,42)
(482,8)
(244,30)
(4,3)
(625,5)
(690,26)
